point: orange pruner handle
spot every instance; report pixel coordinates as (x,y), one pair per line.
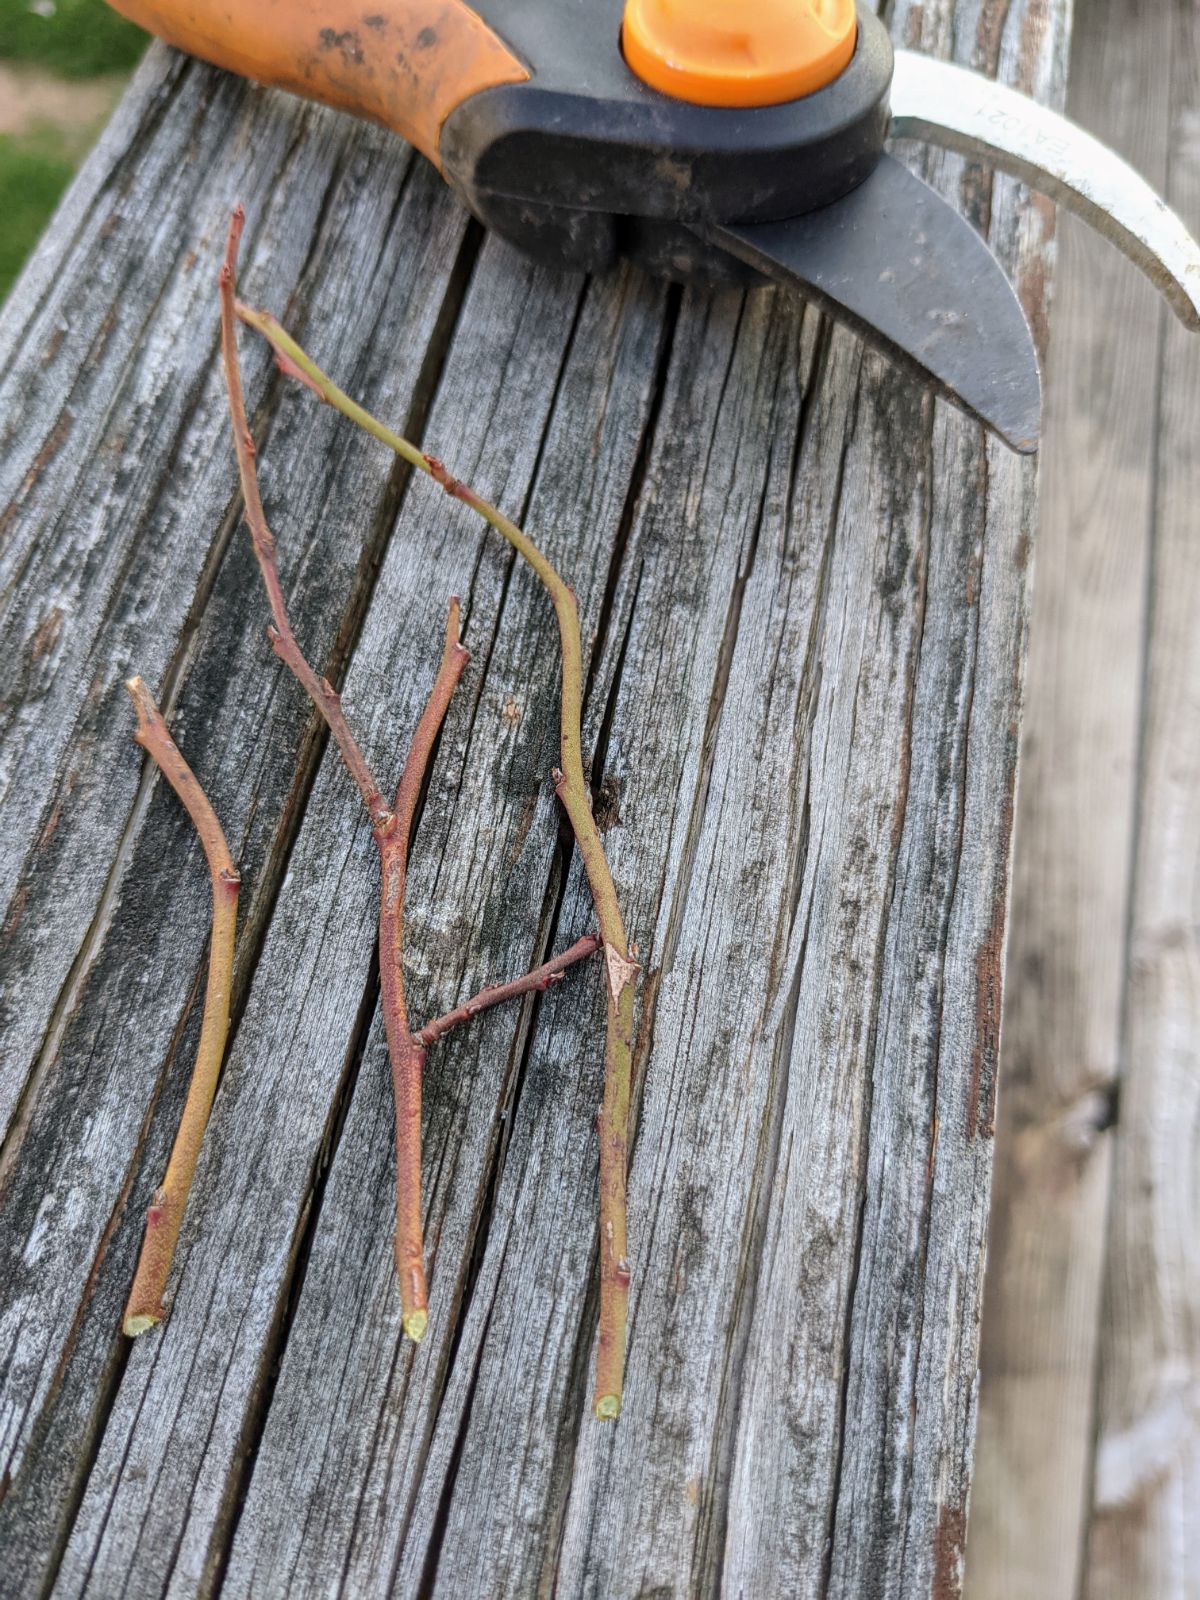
(403,63)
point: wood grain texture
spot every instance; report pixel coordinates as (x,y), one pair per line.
(803,591)
(251,733)
(1144,1537)
(1075,823)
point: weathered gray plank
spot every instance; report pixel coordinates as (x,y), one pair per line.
(901,1446)
(816,603)
(110,378)
(1075,824)
(737,380)
(82,1148)
(791,839)
(1144,1534)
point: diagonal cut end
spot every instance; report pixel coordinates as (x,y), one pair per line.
(141,1323)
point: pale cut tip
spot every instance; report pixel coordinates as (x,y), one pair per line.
(141,1323)
(415,1324)
(608,1407)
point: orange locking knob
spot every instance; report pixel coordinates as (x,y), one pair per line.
(738,52)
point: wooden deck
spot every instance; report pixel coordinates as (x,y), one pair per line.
(1088,1463)
(804,592)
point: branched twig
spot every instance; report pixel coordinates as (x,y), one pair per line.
(165,1214)
(392,829)
(572,791)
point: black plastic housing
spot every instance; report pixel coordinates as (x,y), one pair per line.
(585,162)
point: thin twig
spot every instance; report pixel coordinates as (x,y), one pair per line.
(541,978)
(407,1052)
(319,690)
(165,1214)
(571,789)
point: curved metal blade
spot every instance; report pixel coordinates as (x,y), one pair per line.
(897,262)
(959,110)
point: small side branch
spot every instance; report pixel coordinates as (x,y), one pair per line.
(541,978)
(406,1051)
(165,1215)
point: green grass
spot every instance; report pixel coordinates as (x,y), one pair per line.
(76,39)
(31,179)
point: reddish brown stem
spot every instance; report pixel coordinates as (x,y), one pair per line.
(319,690)
(165,1214)
(407,1052)
(550,972)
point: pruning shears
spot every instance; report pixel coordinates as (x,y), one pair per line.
(718,142)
